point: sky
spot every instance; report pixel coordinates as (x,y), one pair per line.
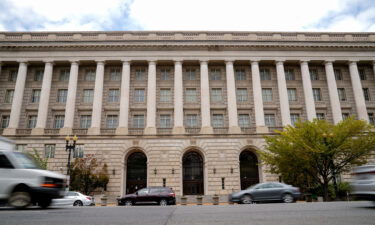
(181,15)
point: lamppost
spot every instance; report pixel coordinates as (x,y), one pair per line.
(331,162)
(70,146)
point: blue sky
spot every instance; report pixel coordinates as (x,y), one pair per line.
(236,15)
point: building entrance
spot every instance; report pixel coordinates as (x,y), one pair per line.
(192,174)
(136,172)
(248,169)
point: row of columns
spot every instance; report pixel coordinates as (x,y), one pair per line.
(178,97)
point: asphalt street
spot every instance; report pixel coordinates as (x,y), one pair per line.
(340,213)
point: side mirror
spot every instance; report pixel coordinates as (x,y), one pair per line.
(136,193)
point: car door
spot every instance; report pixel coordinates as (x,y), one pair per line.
(6,175)
(262,192)
(276,191)
(154,195)
(142,195)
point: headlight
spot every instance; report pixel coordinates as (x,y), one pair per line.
(49,182)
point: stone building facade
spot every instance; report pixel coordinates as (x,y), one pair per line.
(187,110)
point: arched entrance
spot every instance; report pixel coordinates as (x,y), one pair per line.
(192,163)
(136,172)
(249,172)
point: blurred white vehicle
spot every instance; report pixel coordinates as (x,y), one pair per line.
(73,198)
(363,186)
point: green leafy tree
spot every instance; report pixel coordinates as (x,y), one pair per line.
(313,153)
(86,175)
(39,161)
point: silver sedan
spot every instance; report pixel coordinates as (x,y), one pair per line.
(73,198)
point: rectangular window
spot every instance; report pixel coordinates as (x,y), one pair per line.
(241,94)
(112,121)
(38,76)
(13,75)
(88,96)
(314,74)
(62,95)
(191,95)
(265,74)
(289,74)
(164,74)
(191,120)
(342,94)
(267,94)
(59,121)
(5,121)
(338,74)
(49,151)
(317,94)
(64,75)
(320,116)
(362,74)
(292,94)
(294,118)
(140,74)
(79,151)
(31,122)
(113,95)
(21,148)
(90,75)
(115,74)
(138,121)
(165,95)
(9,96)
(85,122)
(139,95)
(240,74)
(218,120)
(165,121)
(244,120)
(366,94)
(190,74)
(216,95)
(371,118)
(35,96)
(345,116)
(269,120)
(215,74)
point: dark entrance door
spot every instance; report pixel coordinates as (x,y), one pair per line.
(192,174)
(248,169)
(136,172)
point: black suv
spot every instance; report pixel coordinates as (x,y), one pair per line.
(150,195)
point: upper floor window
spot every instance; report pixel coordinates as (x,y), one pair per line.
(371,118)
(115,74)
(9,96)
(64,75)
(79,151)
(138,121)
(265,74)
(292,94)
(317,94)
(191,120)
(294,118)
(216,95)
(244,120)
(49,151)
(314,74)
(164,74)
(366,94)
(345,116)
(191,95)
(88,95)
(165,121)
(215,74)
(140,74)
(112,121)
(113,95)
(139,95)
(338,74)
(5,121)
(267,94)
(190,74)
(241,94)
(31,122)
(35,96)
(90,75)
(362,74)
(59,121)
(165,95)
(218,120)
(62,95)
(85,121)
(342,94)
(38,76)
(320,116)
(21,147)
(12,75)
(289,74)
(240,74)
(269,120)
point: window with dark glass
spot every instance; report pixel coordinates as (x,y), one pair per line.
(240,74)
(342,94)
(338,74)
(265,74)
(366,94)
(289,74)
(362,74)
(38,76)
(314,74)
(9,96)
(35,96)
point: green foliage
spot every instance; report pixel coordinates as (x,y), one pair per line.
(86,175)
(39,161)
(311,153)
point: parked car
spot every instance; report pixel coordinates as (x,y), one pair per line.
(75,199)
(22,183)
(150,195)
(363,186)
(270,191)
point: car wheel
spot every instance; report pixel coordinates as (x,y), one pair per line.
(77,203)
(128,203)
(20,199)
(163,202)
(44,203)
(246,199)
(287,198)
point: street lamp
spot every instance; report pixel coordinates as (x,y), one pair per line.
(70,147)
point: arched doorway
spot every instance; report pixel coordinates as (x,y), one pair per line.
(136,172)
(192,163)
(249,172)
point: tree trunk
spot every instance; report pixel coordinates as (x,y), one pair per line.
(325,189)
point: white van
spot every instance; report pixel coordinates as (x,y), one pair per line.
(22,183)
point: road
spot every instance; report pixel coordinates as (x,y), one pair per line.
(340,213)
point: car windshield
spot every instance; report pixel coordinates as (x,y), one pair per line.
(25,161)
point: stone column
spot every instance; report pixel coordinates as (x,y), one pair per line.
(205,100)
(151,99)
(17,100)
(124,100)
(359,99)
(98,100)
(258,100)
(307,90)
(178,127)
(44,100)
(333,93)
(70,100)
(232,100)
(283,94)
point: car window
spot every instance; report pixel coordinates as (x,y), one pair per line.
(71,193)
(25,161)
(143,191)
(154,190)
(4,162)
(264,186)
(276,185)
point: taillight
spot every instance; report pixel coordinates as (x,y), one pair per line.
(88,198)
(172,194)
